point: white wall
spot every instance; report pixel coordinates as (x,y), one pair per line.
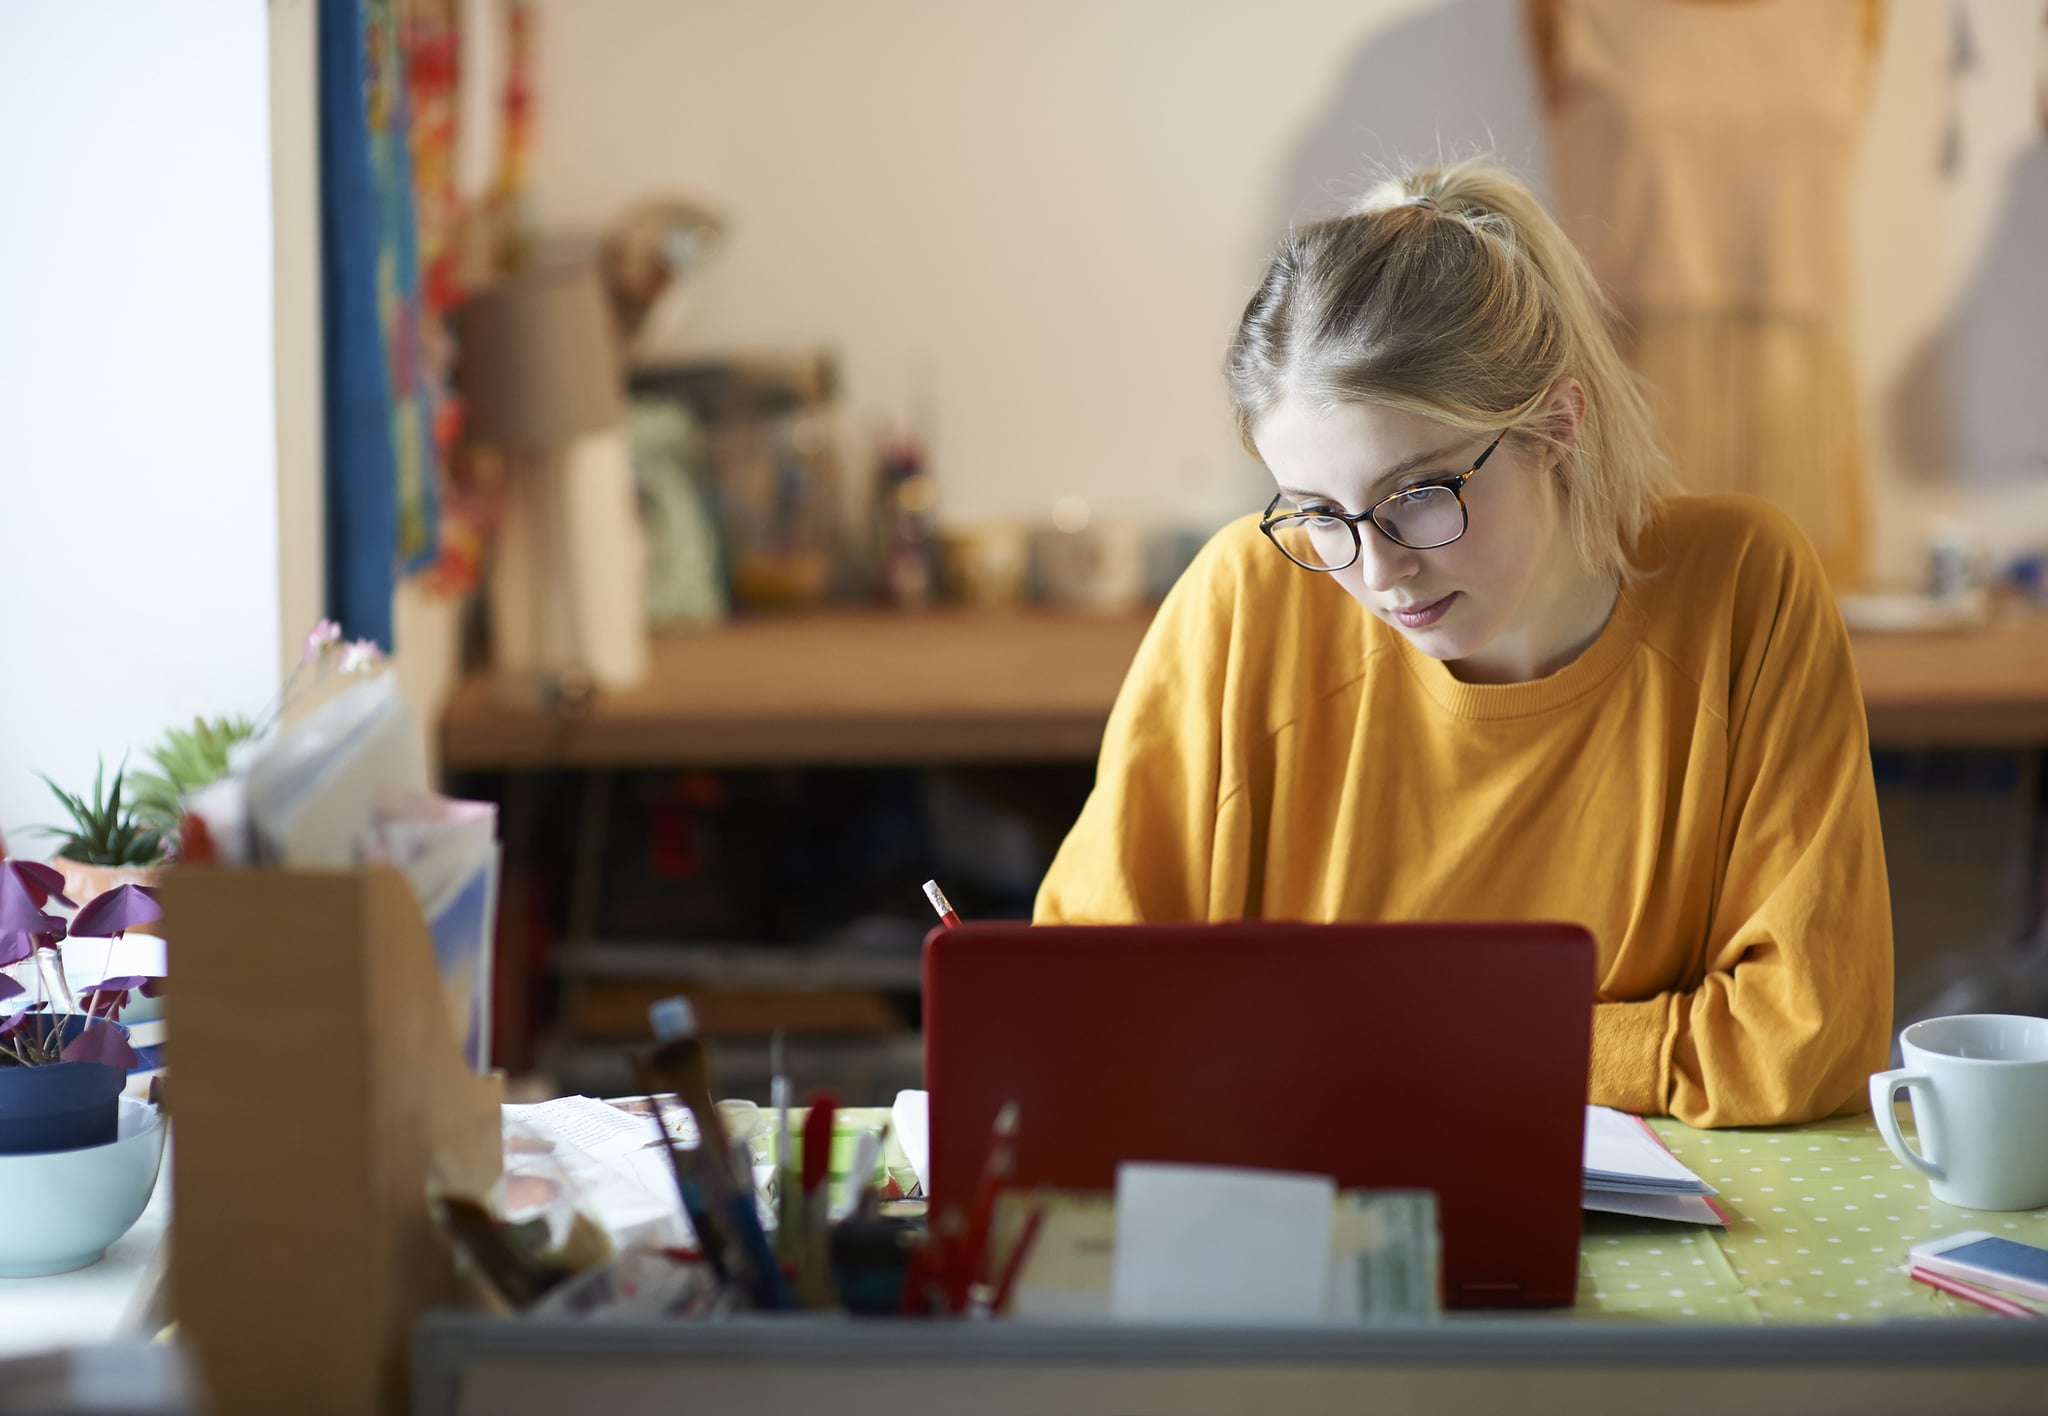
(1051,214)
(139,551)
(295,283)
(1952,282)
(1048,215)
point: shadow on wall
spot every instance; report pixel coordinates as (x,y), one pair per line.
(1453,81)
(1969,406)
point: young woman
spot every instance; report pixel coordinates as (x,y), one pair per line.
(1474,663)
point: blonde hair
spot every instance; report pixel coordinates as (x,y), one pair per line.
(1450,293)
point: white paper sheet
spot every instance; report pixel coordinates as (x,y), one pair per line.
(1622,1154)
(1198,1243)
(613,1164)
(587,1124)
(910,1118)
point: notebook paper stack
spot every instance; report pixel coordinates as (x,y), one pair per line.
(1628,1171)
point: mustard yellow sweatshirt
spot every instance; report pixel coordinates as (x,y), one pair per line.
(1695,789)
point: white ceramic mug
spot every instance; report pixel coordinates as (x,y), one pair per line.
(1978,1084)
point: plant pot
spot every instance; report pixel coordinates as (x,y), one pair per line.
(61,1106)
(82,882)
(65,1207)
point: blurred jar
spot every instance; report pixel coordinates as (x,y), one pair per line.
(779,489)
(1170,551)
(1088,565)
(1958,560)
(986,566)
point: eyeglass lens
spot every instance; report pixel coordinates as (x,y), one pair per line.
(1423,518)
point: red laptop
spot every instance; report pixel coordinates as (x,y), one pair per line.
(1447,1057)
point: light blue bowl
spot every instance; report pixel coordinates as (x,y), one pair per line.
(65,1207)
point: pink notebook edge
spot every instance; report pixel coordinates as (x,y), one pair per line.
(1659,1140)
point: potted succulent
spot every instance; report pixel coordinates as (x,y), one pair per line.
(187,760)
(106,843)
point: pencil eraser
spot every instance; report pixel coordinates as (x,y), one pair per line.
(672,1018)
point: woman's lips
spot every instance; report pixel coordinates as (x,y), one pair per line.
(1423,616)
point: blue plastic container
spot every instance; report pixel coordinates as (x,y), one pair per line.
(63,1106)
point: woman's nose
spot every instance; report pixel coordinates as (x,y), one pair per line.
(1382,563)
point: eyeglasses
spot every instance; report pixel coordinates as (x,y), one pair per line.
(1421,517)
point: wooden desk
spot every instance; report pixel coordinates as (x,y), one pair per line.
(857,686)
(1797,1306)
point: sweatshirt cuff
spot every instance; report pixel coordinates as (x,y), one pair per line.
(1630,1044)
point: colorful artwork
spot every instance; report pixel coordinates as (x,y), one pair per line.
(394,240)
(416,392)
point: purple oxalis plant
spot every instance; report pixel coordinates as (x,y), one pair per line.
(32,1034)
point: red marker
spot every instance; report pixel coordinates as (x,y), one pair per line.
(937,896)
(995,1173)
(1008,1284)
(814,1277)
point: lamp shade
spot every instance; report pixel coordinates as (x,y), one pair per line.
(538,364)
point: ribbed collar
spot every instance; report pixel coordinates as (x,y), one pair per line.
(1494,701)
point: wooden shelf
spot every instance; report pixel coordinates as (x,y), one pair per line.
(850,686)
(1983,687)
(828,688)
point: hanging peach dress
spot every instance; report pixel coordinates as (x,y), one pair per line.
(1703,152)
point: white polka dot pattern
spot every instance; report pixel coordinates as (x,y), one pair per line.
(1820,1218)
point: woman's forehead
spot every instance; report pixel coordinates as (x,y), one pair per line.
(1344,449)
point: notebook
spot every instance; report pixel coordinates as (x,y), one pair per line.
(1629,1171)
(1445,1057)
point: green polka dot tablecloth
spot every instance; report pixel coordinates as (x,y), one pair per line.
(1820,1218)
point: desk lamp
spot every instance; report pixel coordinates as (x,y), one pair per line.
(539,371)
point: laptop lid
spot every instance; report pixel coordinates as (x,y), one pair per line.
(1447,1057)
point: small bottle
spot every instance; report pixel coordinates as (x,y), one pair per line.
(906,499)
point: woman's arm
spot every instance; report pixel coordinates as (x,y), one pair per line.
(1793,1009)
(1145,845)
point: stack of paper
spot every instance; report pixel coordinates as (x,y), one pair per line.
(1222,1244)
(1628,1171)
(343,785)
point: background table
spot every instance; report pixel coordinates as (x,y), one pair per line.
(853,686)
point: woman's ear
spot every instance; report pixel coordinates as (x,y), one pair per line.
(1565,410)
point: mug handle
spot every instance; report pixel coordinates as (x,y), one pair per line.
(1919,1092)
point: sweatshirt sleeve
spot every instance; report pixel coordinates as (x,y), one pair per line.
(1145,847)
(1793,1010)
